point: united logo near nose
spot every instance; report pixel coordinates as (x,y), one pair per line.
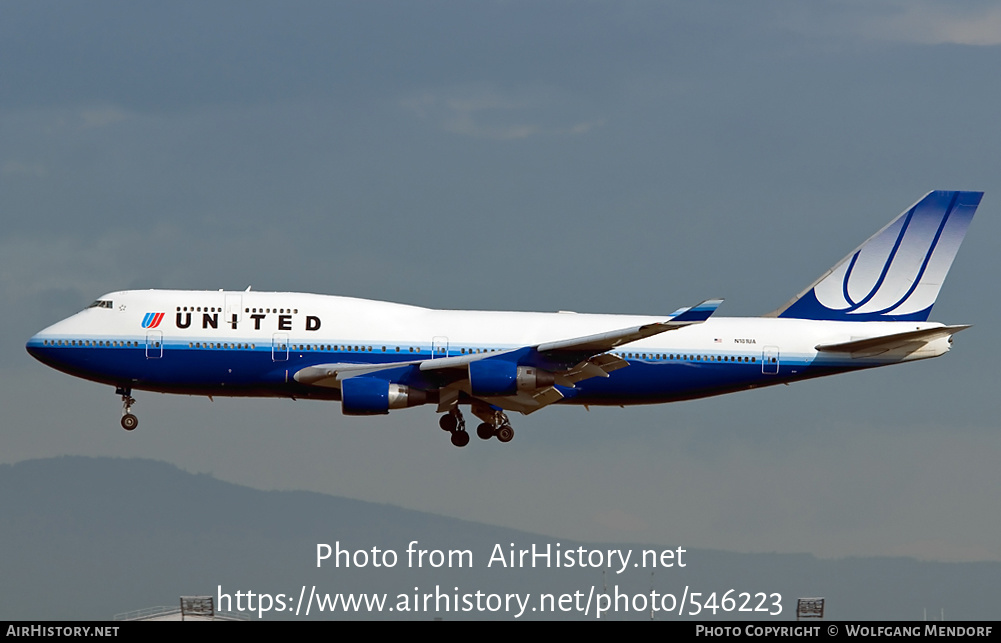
(152,320)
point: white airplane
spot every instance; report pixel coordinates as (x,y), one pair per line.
(871,309)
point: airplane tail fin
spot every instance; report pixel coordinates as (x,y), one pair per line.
(897,273)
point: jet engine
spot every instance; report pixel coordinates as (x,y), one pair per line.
(497,377)
(373,396)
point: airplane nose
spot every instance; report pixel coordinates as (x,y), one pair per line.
(34,347)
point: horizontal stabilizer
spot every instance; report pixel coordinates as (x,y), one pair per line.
(884,343)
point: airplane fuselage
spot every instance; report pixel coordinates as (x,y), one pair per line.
(253,344)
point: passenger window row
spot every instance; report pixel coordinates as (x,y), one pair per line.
(689,358)
(683,357)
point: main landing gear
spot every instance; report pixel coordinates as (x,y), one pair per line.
(129,421)
(496,424)
(454,423)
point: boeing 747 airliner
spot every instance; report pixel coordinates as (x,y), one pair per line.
(871,309)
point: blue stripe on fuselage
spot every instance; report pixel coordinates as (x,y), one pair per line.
(246,371)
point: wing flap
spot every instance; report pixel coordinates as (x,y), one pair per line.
(597,366)
(525,402)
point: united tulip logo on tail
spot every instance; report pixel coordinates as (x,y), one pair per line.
(152,320)
(897,273)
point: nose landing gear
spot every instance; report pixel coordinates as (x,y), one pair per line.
(129,421)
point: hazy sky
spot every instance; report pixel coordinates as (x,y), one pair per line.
(601,157)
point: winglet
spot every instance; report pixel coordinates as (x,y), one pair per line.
(697,313)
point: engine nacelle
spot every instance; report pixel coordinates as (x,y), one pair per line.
(497,377)
(372,396)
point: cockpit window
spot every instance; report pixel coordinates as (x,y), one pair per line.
(101,303)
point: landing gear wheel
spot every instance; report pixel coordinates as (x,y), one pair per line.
(460,438)
(448,422)
(485,431)
(505,433)
(129,422)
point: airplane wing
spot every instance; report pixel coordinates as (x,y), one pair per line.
(523,379)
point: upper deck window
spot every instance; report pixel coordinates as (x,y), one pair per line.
(101,303)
